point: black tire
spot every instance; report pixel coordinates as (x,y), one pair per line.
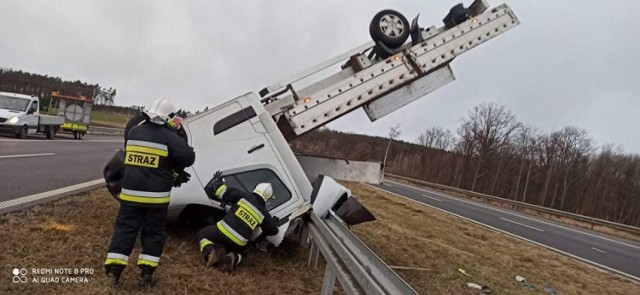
(75,134)
(457,15)
(389,27)
(80,135)
(50,132)
(22,133)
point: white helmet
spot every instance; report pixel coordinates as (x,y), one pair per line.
(264,190)
(160,111)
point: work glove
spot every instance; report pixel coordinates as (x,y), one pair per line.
(180,177)
(218,185)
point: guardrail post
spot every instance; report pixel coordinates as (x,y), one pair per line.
(314,254)
(329,281)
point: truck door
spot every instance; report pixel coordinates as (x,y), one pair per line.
(232,138)
(31,118)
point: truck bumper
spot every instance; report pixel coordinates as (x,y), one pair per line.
(6,128)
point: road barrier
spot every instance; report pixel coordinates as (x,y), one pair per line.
(520,206)
(357,268)
(97,130)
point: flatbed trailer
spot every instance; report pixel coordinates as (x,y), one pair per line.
(76,111)
(382,79)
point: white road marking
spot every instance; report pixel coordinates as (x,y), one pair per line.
(48,194)
(26,155)
(430,197)
(522,224)
(594,248)
(61,140)
(525,217)
(584,260)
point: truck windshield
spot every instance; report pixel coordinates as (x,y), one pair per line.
(14,103)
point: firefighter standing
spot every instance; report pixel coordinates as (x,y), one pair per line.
(227,240)
(154,152)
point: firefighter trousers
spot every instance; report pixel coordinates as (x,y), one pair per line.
(131,219)
(210,235)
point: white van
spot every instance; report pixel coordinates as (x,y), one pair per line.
(20,114)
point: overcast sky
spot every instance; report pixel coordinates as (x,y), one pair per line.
(568,63)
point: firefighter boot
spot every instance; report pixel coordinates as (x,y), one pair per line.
(113,273)
(146,276)
(216,255)
(231,261)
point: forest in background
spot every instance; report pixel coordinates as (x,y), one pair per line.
(493,153)
(42,86)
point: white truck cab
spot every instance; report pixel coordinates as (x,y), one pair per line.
(20,114)
(241,139)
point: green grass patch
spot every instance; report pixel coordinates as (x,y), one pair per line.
(117,120)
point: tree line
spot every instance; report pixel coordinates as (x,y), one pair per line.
(42,86)
(492,152)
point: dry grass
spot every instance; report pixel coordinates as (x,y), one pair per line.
(75,232)
(409,234)
(567,220)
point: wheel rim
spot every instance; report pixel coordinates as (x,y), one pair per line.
(392,26)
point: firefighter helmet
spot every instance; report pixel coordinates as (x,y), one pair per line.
(264,190)
(160,111)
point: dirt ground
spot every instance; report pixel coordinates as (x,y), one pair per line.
(75,232)
(425,246)
(437,245)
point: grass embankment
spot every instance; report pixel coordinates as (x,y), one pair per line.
(109,119)
(437,244)
(75,232)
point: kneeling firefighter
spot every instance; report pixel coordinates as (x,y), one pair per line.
(225,243)
(153,154)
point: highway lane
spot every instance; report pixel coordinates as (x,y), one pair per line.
(37,165)
(615,253)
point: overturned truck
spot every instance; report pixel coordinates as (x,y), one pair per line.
(247,137)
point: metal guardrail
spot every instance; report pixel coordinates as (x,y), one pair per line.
(96,130)
(357,268)
(592,221)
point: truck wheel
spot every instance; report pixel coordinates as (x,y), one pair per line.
(389,27)
(50,132)
(80,135)
(22,134)
(75,134)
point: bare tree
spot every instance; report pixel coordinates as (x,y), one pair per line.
(522,146)
(574,147)
(394,132)
(490,126)
(437,138)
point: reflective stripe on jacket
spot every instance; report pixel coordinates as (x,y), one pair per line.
(152,153)
(247,213)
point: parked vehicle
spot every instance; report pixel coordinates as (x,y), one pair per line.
(76,111)
(20,115)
